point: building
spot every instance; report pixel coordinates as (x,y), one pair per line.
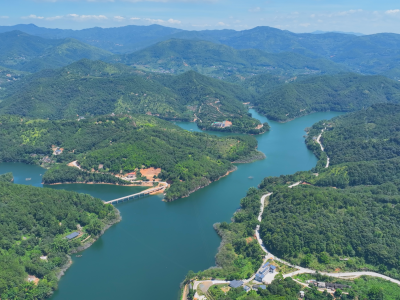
(235,283)
(301,294)
(264,271)
(259,286)
(335,286)
(272,269)
(223,124)
(246,288)
(72,235)
(131,175)
(321,284)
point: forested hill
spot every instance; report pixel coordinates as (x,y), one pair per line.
(177,56)
(342,92)
(367,135)
(122,144)
(25,52)
(33,225)
(348,215)
(93,88)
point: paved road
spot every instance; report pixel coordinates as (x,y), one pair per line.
(322,148)
(301,270)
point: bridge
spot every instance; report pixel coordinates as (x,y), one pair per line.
(138,195)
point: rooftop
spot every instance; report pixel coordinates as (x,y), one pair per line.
(236,283)
(72,235)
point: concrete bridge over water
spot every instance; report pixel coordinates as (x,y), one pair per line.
(138,195)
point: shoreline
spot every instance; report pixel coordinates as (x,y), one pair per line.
(87,245)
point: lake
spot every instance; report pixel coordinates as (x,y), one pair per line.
(150,251)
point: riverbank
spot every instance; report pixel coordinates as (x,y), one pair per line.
(88,243)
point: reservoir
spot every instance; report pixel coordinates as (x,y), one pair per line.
(150,251)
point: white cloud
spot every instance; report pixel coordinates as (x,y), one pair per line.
(76,17)
(158,21)
(222,24)
(172,21)
(119,18)
(54,18)
(392,11)
(305,24)
(32,17)
(135,19)
(255,9)
(4,17)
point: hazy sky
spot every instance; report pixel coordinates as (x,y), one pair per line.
(365,16)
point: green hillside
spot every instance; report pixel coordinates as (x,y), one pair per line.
(343,92)
(177,56)
(124,144)
(29,53)
(33,225)
(93,88)
(349,210)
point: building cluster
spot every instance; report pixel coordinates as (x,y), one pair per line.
(265,269)
(238,283)
(223,124)
(327,285)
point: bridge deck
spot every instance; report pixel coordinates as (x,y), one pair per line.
(137,195)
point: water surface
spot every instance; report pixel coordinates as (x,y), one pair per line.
(148,254)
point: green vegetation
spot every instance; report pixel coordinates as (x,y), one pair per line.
(94,88)
(216,60)
(279,289)
(122,144)
(64,174)
(8,177)
(25,52)
(343,92)
(362,288)
(347,216)
(33,224)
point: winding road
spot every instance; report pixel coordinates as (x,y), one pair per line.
(300,270)
(322,147)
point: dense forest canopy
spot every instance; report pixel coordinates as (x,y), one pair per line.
(344,92)
(33,224)
(94,88)
(216,60)
(123,143)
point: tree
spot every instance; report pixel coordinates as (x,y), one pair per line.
(375,293)
(95,227)
(338,293)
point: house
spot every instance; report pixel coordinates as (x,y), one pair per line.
(301,294)
(335,286)
(235,283)
(272,269)
(321,284)
(223,124)
(259,286)
(246,288)
(72,235)
(131,175)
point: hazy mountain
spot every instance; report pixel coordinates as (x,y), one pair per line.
(177,56)
(118,40)
(21,51)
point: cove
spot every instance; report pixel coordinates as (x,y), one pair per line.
(149,252)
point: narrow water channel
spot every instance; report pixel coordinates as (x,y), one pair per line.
(148,254)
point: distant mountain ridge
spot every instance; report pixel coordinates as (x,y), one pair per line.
(24,52)
(368,54)
(179,55)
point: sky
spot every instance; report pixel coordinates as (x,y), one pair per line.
(361,16)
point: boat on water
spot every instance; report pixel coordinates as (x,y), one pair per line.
(250,177)
(78,255)
(27,179)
